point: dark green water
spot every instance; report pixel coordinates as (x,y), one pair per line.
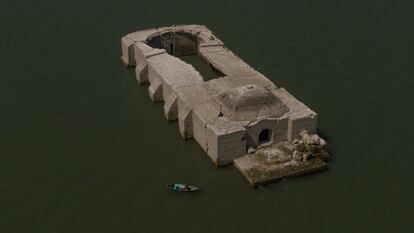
(83,149)
(201,66)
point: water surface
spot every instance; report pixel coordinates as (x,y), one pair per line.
(83,149)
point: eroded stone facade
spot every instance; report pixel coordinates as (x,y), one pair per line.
(230,116)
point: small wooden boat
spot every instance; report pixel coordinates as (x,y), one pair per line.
(182,187)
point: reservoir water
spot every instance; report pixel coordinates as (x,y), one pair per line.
(83,149)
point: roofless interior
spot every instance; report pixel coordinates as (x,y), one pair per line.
(184,46)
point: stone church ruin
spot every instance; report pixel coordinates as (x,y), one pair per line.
(239,116)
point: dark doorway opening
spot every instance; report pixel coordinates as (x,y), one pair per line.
(264,136)
(171,49)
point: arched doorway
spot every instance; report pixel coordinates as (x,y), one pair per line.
(265,136)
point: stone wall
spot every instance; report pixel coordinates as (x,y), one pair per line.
(226,141)
(299,124)
(255,128)
(224,130)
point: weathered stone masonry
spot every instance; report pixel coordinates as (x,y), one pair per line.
(231,116)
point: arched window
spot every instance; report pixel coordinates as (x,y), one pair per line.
(265,136)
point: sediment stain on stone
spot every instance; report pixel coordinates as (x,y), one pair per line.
(240,116)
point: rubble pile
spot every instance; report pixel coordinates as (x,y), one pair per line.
(308,147)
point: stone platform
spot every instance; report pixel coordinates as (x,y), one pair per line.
(271,164)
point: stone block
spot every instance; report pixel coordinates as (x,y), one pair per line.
(225,141)
(155,90)
(170,107)
(299,124)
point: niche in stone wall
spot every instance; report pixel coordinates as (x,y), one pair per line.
(265,136)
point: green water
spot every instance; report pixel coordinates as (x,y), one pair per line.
(83,149)
(201,66)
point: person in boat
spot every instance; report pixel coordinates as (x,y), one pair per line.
(177,187)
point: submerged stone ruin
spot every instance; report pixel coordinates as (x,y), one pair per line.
(240,117)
